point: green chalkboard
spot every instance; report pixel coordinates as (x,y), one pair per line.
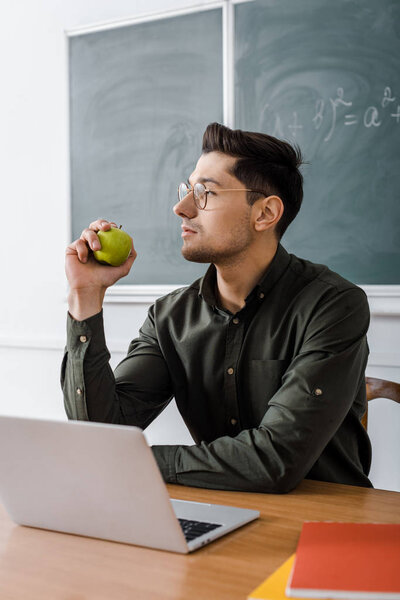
(141,96)
(326,75)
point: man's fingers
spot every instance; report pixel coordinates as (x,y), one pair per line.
(133,253)
(90,233)
(91,238)
(79,249)
(102,224)
(132,257)
(82,250)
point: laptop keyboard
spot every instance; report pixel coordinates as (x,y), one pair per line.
(193,529)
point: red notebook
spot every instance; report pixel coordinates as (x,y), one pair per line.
(347,560)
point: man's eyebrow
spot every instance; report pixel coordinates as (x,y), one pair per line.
(207,180)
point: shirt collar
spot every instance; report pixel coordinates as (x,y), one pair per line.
(275,270)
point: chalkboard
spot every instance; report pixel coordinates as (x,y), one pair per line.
(326,75)
(140,98)
(319,73)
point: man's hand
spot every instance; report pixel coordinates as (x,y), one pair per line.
(88,279)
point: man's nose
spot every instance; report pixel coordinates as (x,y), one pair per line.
(186,207)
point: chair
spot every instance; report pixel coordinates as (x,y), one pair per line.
(380,388)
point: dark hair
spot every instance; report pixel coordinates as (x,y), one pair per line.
(264,163)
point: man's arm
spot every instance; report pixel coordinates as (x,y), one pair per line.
(318,390)
(134,394)
(90,389)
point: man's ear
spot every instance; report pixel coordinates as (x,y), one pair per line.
(268,211)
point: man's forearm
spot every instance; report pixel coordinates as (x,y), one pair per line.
(84,303)
(86,376)
(136,396)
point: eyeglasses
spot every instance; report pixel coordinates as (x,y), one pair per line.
(200,193)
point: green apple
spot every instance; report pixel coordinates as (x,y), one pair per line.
(115,247)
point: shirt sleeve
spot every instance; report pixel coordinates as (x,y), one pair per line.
(134,394)
(318,390)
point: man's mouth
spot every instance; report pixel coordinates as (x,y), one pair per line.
(187,231)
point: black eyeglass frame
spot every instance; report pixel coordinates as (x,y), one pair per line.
(196,196)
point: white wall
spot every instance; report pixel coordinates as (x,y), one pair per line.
(35,227)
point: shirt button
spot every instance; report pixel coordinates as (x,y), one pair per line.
(79,391)
(233,421)
(261,295)
(317,392)
(230,371)
(83,339)
(235,320)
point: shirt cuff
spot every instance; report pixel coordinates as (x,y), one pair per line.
(165,457)
(85,337)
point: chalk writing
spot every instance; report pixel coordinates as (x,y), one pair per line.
(350,119)
(334,105)
(371,117)
(278,130)
(295,126)
(319,107)
(387,97)
(338,110)
(396,115)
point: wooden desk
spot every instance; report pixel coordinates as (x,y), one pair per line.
(44,565)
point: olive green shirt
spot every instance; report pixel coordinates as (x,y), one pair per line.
(271,394)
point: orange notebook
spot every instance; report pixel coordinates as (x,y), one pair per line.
(347,560)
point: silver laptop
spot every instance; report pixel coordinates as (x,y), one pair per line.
(100,481)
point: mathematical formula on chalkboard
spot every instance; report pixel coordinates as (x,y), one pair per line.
(336,112)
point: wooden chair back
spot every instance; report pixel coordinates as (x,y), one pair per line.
(380,388)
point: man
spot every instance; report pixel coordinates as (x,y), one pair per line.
(265,355)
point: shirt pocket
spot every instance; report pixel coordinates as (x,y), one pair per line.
(265,379)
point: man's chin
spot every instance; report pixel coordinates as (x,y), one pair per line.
(198,256)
